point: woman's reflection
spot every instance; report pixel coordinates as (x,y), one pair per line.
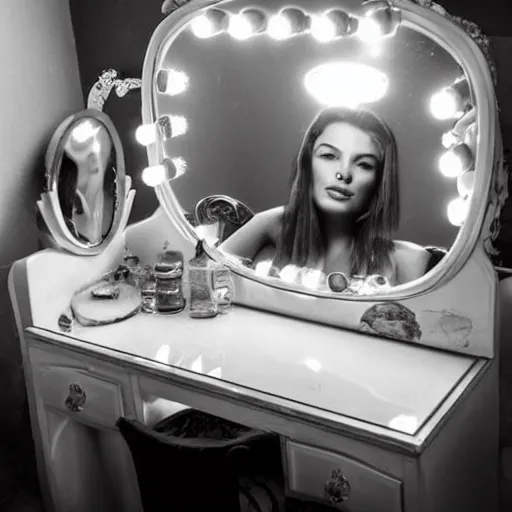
(343,205)
(87,181)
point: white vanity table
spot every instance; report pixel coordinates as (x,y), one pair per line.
(412,429)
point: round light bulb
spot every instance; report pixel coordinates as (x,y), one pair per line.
(443,105)
(369,31)
(202,27)
(279,27)
(457,211)
(451,165)
(322,29)
(263,268)
(449,140)
(154,175)
(146,134)
(240,27)
(289,273)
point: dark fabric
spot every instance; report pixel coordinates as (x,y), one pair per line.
(201,473)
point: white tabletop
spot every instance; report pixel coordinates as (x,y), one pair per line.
(390,384)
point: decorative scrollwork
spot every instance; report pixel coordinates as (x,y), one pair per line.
(108,80)
(75,401)
(337,488)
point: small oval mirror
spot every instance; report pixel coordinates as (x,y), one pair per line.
(84,204)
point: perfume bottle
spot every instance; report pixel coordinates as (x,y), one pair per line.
(210,285)
(168,273)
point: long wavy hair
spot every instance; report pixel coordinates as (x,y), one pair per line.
(302,240)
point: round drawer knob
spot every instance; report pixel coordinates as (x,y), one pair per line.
(75,401)
(337,487)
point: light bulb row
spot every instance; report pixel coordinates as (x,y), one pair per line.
(377,19)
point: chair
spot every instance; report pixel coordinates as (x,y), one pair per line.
(192,461)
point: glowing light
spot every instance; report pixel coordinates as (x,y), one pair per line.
(146,134)
(172,82)
(84,131)
(289,273)
(210,24)
(163,353)
(313,364)
(456,160)
(216,373)
(449,139)
(169,169)
(288,22)
(444,105)
(369,31)
(172,126)
(154,175)
(263,268)
(311,279)
(345,84)
(457,211)
(465,183)
(330,25)
(246,24)
(207,232)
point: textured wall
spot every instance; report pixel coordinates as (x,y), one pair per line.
(40,85)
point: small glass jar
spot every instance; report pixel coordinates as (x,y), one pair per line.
(168,274)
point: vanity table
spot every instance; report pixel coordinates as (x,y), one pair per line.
(411,428)
(389,386)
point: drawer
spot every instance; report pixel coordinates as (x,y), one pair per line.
(89,397)
(309,469)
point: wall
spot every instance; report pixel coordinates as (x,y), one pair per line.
(40,86)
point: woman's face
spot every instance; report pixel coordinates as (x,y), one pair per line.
(345,164)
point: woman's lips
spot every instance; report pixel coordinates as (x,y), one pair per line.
(339,193)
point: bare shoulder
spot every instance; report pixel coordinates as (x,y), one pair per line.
(411,260)
(272,220)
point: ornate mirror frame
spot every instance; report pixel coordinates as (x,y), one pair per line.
(469,258)
(49,204)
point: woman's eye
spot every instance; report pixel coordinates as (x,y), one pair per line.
(366,166)
(328,156)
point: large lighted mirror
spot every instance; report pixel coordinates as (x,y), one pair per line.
(331,147)
(84,205)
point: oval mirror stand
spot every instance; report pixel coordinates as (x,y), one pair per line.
(88,197)
(392,208)
(86,201)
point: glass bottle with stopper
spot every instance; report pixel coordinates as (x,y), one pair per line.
(210,285)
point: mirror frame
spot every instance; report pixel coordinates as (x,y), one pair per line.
(489,193)
(49,204)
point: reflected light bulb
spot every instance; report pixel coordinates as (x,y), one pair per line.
(457,211)
(369,31)
(289,273)
(313,364)
(449,139)
(202,27)
(146,134)
(322,29)
(154,175)
(172,126)
(311,279)
(172,82)
(444,105)
(263,268)
(279,27)
(209,24)
(450,165)
(240,27)
(84,131)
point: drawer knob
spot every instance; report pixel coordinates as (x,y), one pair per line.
(76,399)
(337,487)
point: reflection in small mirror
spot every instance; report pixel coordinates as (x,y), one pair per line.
(86,180)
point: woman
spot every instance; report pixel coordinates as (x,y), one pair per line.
(343,205)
